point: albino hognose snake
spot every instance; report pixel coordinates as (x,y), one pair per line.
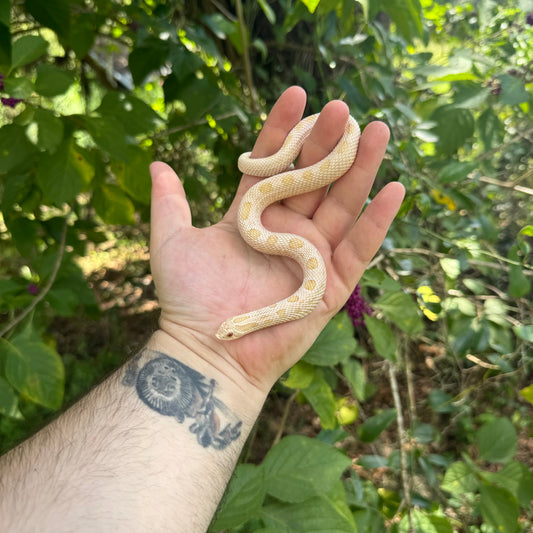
(283,182)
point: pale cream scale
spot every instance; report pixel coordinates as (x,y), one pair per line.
(283,182)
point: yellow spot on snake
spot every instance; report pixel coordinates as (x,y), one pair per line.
(281,312)
(245,328)
(239,319)
(272,239)
(265,187)
(312,263)
(325,166)
(287,179)
(254,234)
(294,244)
(310,284)
(307,174)
(246,207)
(342,147)
(293,298)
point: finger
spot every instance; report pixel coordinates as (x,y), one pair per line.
(359,246)
(323,138)
(170,210)
(346,198)
(284,115)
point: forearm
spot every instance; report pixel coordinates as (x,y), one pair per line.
(151,448)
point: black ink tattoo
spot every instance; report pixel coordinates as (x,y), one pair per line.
(173,389)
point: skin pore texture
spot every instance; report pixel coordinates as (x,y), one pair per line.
(153,446)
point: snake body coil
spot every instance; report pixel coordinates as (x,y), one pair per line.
(283,183)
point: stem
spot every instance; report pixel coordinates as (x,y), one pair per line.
(284,417)
(246,54)
(46,288)
(403,442)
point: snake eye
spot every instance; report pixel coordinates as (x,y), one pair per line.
(229,335)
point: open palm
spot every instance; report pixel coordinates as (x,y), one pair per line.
(204,276)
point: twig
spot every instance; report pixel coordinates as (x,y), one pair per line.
(185,127)
(284,417)
(45,289)
(403,442)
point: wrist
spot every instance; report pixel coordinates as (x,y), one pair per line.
(231,385)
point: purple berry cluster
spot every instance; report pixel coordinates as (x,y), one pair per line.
(357,307)
(8,101)
(529,19)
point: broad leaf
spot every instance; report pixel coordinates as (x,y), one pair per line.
(112,205)
(65,173)
(298,468)
(454,127)
(52,81)
(319,394)
(334,344)
(26,49)
(372,427)
(49,129)
(325,514)
(459,478)
(499,508)
(54,15)
(36,371)
(243,498)
(497,441)
(15,148)
(402,310)
(8,398)
(382,337)
(134,176)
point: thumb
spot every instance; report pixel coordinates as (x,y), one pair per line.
(170,210)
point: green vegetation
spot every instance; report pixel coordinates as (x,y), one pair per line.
(424,396)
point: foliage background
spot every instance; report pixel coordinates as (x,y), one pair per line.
(412,412)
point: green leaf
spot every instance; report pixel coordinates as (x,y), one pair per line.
(21,87)
(334,344)
(15,148)
(52,81)
(519,284)
(513,90)
(54,15)
(135,115)
(134,177)
(451,267)
(8,398)
(300,376)
(64,174)
(267,10)
(402,310)
(454,126)
(24,234)
(49,129)
(456,171)
(311,5)
(354,372)
(491,128)
(112,205)
(372,427)
(497,441)
(499,508)
(109,134)
(459,478)
(243,498)
(299,468)
(441,402)
(407,15)
(527,393)
(325,514)
(36,371)
(524,332)
(319,394)
(26,49)
(516,478)
(382,337)
(425,523)
(5,12)
(145,59)
(526,230)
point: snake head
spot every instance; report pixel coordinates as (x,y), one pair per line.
(226,332)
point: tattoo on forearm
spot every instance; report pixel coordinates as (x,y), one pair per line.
(173,389)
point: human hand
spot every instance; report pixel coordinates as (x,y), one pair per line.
(204,276)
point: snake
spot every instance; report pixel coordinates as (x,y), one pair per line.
(282,180)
